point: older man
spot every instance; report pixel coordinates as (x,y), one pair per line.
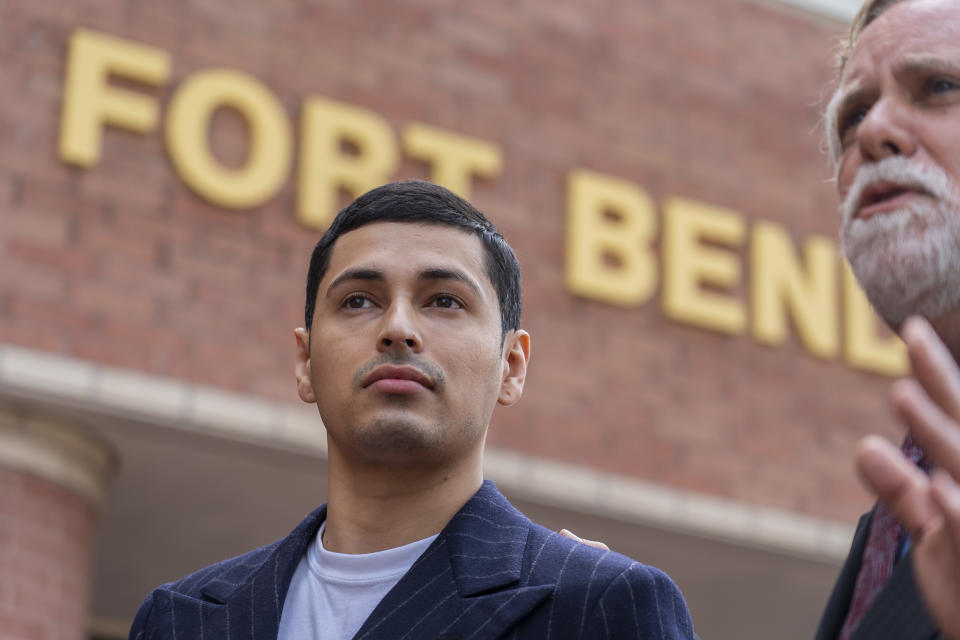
(894,129)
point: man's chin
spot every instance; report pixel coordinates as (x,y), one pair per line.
(401,436)
(906,265)
(908,285)
(402,439)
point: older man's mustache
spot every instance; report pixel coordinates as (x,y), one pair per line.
(876,181)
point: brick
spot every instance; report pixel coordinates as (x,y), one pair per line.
(30,310)
(72,261)
(34,336)
(48,550)
(135,346)
(132,170)
(9,186)
(36,227)
(103,302)
(35,281)
(104,240)
(151,24)
(14,627)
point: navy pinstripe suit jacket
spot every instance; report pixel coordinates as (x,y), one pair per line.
(491,573)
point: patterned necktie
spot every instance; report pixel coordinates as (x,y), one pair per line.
(885,538)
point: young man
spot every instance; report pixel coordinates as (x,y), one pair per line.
(411,339)
(894,127)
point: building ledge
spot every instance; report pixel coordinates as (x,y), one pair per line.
(76,384)
(837,10)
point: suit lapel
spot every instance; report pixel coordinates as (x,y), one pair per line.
(249,601)
(468,583)
(839,603)
(898,611)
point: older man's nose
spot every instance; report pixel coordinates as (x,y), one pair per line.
(886,131)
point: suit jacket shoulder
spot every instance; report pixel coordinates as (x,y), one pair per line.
(605,594)
(492,573)
(182,609)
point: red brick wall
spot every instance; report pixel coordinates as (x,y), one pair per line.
(45,542)
(709,99)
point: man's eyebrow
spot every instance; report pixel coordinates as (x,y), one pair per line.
(910,65)
(356,274)
(926,64)
(442,273)
(851,94)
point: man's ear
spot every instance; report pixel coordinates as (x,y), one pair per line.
(516,356)
(301,367)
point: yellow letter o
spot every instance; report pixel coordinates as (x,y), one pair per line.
(187,133)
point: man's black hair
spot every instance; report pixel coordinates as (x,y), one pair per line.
(417,201)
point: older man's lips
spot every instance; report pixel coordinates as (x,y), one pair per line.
(397,380)
(885,197)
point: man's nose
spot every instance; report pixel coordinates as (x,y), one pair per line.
(885,131)
(399,329)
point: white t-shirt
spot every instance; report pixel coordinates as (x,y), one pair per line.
(332,594)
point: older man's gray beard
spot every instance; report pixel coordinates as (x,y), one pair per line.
(908,260)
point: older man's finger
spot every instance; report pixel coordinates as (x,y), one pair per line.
(596,544)
(933,429)
(933,366)
(896,481)
(945,493)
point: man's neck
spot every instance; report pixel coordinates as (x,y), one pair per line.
(375,508)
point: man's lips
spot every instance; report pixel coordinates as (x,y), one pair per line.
(884,197)
(397,379)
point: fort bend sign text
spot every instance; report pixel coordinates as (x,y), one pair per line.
(612,226)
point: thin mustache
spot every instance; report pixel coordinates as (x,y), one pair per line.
(432,372)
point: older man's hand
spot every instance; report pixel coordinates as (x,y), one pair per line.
(596,544)
(928,506)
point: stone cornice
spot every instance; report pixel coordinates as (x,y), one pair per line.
(91,388)
(61,453)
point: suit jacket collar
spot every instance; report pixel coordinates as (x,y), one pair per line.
(467,583)
(486,541)
(835,613)
(898,611)
(276,568)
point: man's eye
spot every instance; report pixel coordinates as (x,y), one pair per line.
(356,302)
(850,120)
(941,85)
(446,302)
